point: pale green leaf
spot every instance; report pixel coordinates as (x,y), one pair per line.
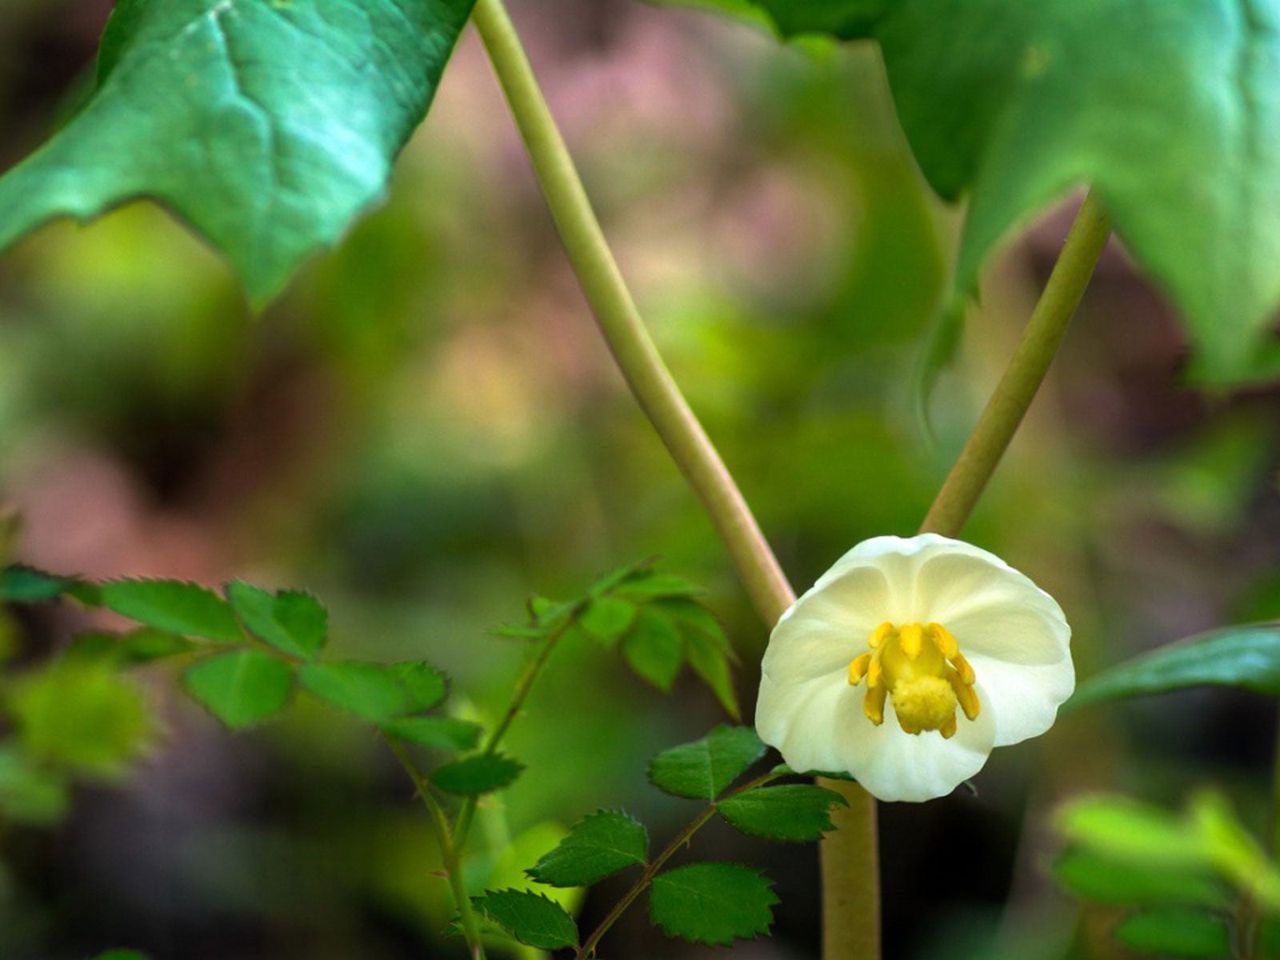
(374,691)
(1118,883)
(440,733)
(654,648)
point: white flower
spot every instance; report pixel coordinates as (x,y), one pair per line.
(908,662)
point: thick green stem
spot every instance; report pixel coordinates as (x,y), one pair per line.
(1026,371)
(620,321)
(670,850)
(448,850)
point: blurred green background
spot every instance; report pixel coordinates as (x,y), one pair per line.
(427,428)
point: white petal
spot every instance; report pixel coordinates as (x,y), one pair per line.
(827,627)
(893,765)
(1022,700)
(992,609)
(800,719)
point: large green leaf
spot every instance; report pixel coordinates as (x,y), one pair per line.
(266,124)
(1176,932)
(713,903)
(796,812)
(1247,656)
(1171,110)
(173,606)
(597,847)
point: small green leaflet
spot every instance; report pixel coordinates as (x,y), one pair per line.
(796,812)
(597,847)
(29,793)
(654,649)
(1101,880)
(174,606)
(1245,656)
(706,647)
(483,773)
(83,716)
(607,618)
(374,691)
(712,903)
(291,621)
(703,769)
(20,584)
(241,688)
(440,733)
(529,917)
(1176,932)
(267,126)
(1170,110)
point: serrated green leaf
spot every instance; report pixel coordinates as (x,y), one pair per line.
(1108,881)
(529,917)
(483,773)
(291,621)
(654,648)
(712,903)
(374,691)
(267,126)
(84,716)
(241,688)
(701,770)
(174,606)
(1176,932)
(28,793)
(706,648)
(597,847)
(440,733)
(607,618)
(1245,656)
(794,812)
(1170,110)
(19,584)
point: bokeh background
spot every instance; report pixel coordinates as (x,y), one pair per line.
(427,428)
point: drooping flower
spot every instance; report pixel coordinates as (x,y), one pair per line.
(908,662)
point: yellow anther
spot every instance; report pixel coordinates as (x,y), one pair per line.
(873,704)
(921,668)
(946,642)
(880,634)
(911,640)
(875,674)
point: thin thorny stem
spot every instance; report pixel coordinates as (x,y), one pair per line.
(671,849)
(449,852)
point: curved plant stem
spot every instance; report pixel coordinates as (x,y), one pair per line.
(1026,371)
(620,321)
(646,878)
(449,852)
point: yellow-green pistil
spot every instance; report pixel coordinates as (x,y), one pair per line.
(921,667)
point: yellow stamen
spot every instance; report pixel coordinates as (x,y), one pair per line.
(921,669)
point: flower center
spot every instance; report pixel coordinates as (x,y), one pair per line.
(921,668)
